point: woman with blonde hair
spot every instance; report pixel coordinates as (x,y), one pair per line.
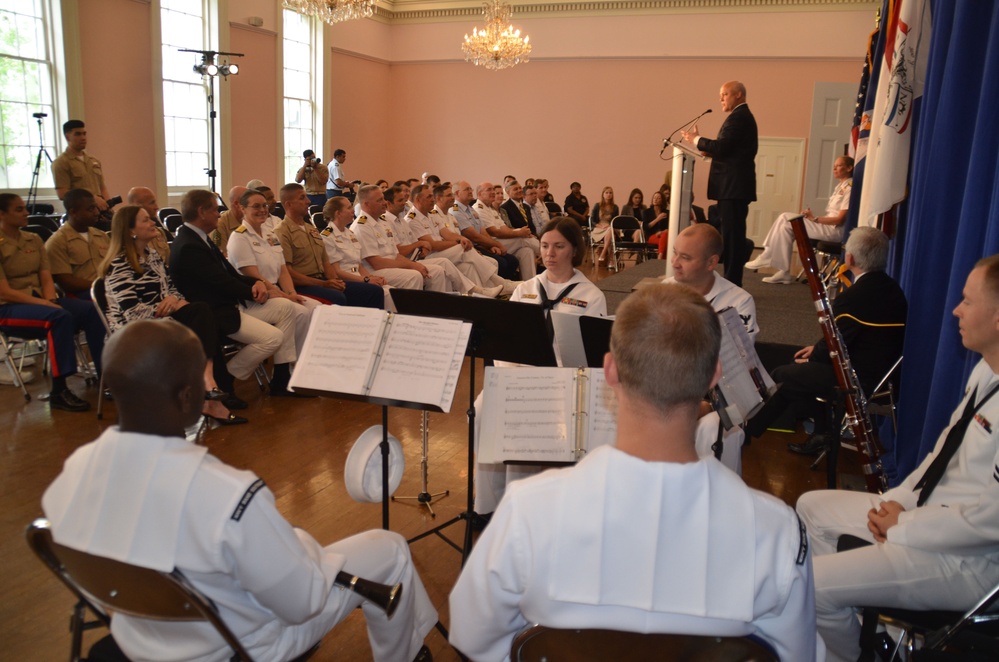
(600,218)
(137,286)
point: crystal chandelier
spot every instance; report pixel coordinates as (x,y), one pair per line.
(332,11)
(498,45)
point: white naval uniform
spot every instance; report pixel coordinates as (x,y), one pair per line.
(378,240)
(478,269)
(620,543)
(246,248)
(779,242)
(941,555)
(162,502)
(540,215)
(585,299)
(344,248)
(726,294)
(525,249)
(405,234)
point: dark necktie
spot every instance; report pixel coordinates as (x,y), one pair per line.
(953,441)
(547,305)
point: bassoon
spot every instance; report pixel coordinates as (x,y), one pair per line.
(383,595)
(857,417)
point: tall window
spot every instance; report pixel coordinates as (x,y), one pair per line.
(26,88)
(185,110)
(300,90)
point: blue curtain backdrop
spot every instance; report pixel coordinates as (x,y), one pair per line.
(951,217)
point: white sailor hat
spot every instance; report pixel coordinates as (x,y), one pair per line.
(362,473)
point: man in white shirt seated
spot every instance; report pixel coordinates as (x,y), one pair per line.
(935,537)
(143,494)
(643,535)
(696,253)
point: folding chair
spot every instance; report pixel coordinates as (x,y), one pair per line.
(539,643)
(173,222)
(319,220)
(98,294)
(105,586)
(624,226)
(14,364)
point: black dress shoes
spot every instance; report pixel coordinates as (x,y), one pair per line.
(232,402)
(814,445)
(67,401)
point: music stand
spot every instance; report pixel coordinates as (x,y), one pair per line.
(596,332)
(501,331)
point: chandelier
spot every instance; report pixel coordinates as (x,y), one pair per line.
(332,11)
(498,45)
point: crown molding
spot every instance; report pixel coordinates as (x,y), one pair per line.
(421,11)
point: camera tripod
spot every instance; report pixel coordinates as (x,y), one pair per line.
(33,189)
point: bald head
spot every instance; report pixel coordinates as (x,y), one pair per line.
(696,252)
(155,370)
(145,198)
(235,193)
(733,93)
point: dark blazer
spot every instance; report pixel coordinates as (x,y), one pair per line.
(516,220)
(201,273)
(733,153)
(861,312)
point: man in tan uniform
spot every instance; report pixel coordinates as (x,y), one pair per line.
(75,168)
(77,248)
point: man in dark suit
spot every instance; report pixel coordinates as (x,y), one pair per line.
(518,213)
(732,179)
(242,306)
(870,316)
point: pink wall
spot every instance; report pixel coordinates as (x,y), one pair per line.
(364,108)
(254,111)
(600,122)
(118,103)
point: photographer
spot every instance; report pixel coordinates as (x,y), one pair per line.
(313,175)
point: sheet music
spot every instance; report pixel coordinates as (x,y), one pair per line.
(527,415)
(452,377)
(339,350)
(740,392)
(601,405)
(417,359)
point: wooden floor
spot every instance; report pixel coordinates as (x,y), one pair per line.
(299,448)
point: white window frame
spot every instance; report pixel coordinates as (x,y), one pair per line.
(285,156)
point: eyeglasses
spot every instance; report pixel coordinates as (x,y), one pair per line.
(257,207)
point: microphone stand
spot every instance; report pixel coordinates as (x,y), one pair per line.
(668,141)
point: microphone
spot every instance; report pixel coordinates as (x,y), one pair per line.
(683,126)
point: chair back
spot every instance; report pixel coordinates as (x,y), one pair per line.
(319,220)
(554,209)
(173,222)
(538,643)
(41,231)
(109,586)
(279,210)
(49,221)
(167,211)
(99,295)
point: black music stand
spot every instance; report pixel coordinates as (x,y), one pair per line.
(501,331)
(596,332)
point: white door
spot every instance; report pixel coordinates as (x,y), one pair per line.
(833,106)
(778,184)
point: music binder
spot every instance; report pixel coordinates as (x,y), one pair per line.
(382,357)
(745,384)
(545,414)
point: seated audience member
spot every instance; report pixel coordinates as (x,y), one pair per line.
(578,547)
(473,228)
(520,243)
(230,219)
(576,206)
(255,251)
(30,308)
(543,195)
(499,199)
(635,207)
(436,228)
(539,212)
(343,251)
(145,198)
(779,242)
(519,214)
(137,287)
(307,261)
(382,256)
(77,247)
(655,223)
(600,218)
(243,306)
(272,584)
(695,261)
(562,287)
(313,174)
(935,541)
(870,316)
